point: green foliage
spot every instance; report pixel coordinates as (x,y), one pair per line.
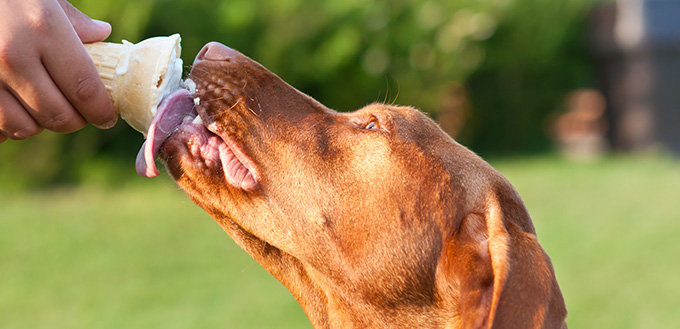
(537,56)
(511,61)
(29,163)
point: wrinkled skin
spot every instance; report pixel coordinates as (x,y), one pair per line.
(372,219)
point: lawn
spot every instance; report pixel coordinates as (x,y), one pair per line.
(141,255)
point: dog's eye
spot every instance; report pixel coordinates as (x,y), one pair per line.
(372,123)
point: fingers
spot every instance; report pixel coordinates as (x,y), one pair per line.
(88,30)
(45,103)
(15,123)
(75,75)
(81,86)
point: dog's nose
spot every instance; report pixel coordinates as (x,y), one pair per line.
(215,51)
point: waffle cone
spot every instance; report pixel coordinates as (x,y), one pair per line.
(138,76)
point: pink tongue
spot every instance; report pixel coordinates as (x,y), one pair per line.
(170,114)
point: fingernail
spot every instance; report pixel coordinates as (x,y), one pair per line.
(102,24)
(109,124)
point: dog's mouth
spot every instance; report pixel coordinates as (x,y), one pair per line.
(178,122)
(172,112)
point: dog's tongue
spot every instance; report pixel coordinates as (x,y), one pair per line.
(170,113)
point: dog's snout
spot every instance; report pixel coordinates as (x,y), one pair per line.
(215,51)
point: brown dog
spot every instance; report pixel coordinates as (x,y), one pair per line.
(372,219)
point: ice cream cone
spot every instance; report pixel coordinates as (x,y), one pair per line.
(138,76)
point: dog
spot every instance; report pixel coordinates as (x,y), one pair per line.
(372,219)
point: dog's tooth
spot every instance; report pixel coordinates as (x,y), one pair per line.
(189,85)
(197,101)
(198,120)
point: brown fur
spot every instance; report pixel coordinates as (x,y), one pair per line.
(394,227)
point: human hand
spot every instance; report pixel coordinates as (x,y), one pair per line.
(47,79)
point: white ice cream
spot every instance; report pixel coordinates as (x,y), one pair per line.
(172,79)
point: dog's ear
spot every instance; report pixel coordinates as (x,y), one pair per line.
(502,276)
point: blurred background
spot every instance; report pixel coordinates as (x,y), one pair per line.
(576,102)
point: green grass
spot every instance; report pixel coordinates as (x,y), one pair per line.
(141,255)
(611,228)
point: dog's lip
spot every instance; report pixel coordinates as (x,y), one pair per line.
(207,150)
(239,170)
(201,137)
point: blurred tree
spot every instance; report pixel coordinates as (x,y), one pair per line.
(537,56)
(495,68)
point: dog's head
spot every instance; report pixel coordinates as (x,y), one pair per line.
(286,168)
(375,211)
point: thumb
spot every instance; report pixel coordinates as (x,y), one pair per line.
(88,30)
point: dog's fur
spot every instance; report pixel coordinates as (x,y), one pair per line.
(372,219)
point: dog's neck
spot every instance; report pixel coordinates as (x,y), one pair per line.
(329,307)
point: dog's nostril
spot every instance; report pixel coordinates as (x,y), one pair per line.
(215,51)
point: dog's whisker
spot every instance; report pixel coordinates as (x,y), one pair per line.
(193,68)
(213,99)
(387,92)
(397,96)
(223,88)
(258,106)
(233,106)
